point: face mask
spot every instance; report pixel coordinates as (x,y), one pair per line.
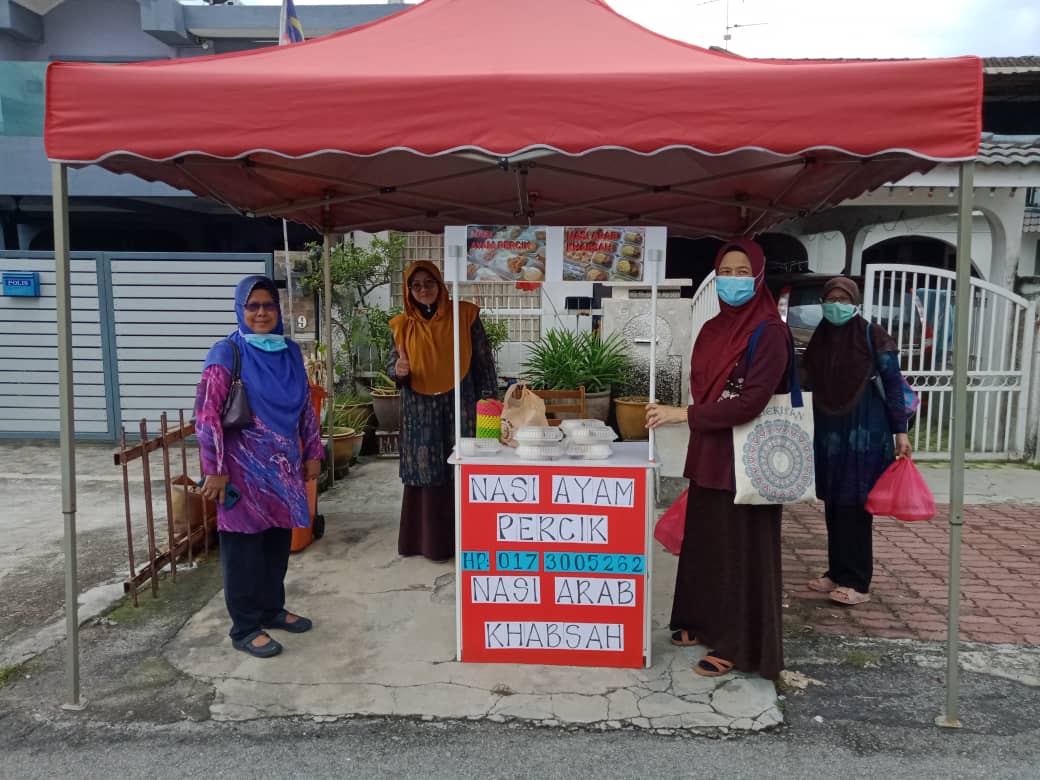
(735,290)
(268,342)
(839,313)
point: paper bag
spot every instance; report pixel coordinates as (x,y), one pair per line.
(189,505)
(521,407)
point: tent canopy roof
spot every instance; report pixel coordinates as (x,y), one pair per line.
(561,111)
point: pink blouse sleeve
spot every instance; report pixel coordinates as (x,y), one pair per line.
(209,401)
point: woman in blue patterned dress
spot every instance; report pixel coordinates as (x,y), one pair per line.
(264,462)
(855,426)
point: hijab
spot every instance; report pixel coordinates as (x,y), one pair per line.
(428,338)
(276,382)
(838,358)
(724,338)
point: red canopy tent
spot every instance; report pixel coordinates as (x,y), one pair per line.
(457,111)
(401,123)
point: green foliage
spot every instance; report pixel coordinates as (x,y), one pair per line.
(497,331)
(563,360)
(378,333)
(383,385)
(355,271)
(356,417)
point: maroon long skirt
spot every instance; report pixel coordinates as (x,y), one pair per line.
(428,522)
(729,584)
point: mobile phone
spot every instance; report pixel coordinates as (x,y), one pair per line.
(231,493)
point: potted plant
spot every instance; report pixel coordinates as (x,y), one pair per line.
(386,401)
(352,419)
(564,360)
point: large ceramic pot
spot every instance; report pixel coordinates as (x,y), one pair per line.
(388,411)
(344,442)
(631,417)
(597,405)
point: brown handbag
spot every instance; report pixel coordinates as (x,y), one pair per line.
(236,413)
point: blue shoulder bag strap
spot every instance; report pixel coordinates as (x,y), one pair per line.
(795,383)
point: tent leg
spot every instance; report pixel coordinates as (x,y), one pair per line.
(66,408)
(330,377)
(958,433)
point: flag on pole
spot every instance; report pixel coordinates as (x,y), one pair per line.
(290,30)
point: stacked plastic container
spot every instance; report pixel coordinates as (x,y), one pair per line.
(537,442)
(588,439)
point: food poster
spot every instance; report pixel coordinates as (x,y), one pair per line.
(505,253)
(553,565)
(604,254)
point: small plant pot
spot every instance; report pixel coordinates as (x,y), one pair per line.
(630,411)
(388,411)
(597,405)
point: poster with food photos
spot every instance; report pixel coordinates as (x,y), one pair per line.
(604,254)
(505,253)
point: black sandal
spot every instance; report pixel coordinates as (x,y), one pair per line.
(246,645)
(298,626)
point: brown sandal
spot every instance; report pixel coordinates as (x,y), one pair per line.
(849,597)
(682,638)
(713,666)
(822,584)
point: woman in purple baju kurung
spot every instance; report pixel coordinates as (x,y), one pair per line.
(264,462)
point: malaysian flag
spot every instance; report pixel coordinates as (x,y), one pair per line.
(290,30)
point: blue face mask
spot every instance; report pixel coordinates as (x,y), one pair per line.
(839,313)
(735,290)
(268,342)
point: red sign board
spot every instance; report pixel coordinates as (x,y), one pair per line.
(553,564)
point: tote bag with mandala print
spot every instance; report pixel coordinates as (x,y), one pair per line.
(773,454)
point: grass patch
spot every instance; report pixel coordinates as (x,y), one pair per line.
(193,589)
(860,659)
(8,673)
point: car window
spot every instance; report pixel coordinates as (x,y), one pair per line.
(804,309)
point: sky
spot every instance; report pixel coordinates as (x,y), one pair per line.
(835,28)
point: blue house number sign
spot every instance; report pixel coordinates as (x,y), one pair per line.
(25,284)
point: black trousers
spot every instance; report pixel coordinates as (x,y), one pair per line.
(850,546)
(254,567)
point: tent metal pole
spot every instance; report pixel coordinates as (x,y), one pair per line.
(330,377)
(66,410)
(958,436)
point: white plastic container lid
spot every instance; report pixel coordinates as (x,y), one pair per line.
(590,451)
(475,448)
(539,451)
(532,434)
(573,425)
(592,435)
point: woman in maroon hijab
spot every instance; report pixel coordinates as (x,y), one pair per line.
(729,581)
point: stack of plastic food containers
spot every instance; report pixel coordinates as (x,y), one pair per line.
(588,439)
(539,443)
(479,448)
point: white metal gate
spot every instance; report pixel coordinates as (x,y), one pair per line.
(916,305)
(705,305)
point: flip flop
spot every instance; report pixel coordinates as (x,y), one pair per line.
(298,626)
(682,638)
(822,584)
(849,597)
(713,666)
(246,645)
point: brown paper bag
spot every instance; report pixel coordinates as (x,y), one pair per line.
(521,407)
(189,505)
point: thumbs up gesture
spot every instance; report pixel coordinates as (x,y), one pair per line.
(402,368)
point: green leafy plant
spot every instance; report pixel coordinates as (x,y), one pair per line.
(383,385)
(497,331)
(356,417)
(355,271)
(562,360)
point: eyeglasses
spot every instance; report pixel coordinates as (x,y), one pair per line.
(836,300)
(253,308)
(420,286)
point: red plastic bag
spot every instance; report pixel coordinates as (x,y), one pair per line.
(901,492)
(671,525)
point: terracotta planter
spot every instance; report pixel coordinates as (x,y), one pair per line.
(344,442)
(388,411)
(597,405)
(631,417)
